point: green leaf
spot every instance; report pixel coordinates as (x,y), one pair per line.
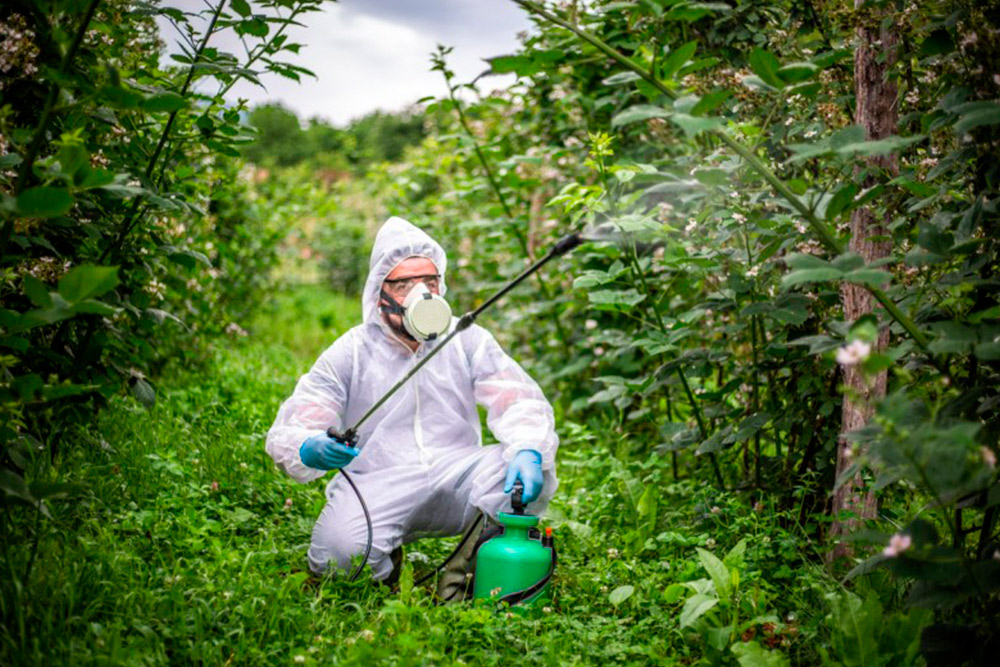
(677,59)
(809,269)
(43,202)
(256,26)
(710,102)
(692,11)
(695,607)
(866,276)
(144,392)
(9,161)
(734,559)
(520,65)
(885,146)
(621,594)
(752,654)
(620,78)
(164,102)
(637,113)
(712,177)
(95,307)
(185,256)
(36,290)
(841,201)
(988,351)
(241,7)
(718,571)
(976,114)
(796,72)
(629,297)
(86,281)
(693,125)
(765,65)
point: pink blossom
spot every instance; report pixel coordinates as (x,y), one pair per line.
(854,352)
(898,543)
(989,456)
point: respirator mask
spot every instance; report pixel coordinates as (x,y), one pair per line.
(425,314)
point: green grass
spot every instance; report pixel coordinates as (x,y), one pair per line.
(185,544)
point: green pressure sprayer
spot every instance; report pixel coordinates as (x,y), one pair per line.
(515,567)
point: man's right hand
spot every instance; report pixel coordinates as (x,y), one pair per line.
(325,453)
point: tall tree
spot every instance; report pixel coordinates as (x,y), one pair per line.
(876,110)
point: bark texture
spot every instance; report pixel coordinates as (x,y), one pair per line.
(877,111)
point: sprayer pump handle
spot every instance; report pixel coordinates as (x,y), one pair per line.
(517,498)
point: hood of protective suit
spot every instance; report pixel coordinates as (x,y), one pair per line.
(396,241)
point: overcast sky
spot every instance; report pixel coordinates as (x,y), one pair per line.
(375,54)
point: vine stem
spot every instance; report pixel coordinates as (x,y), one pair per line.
(25,170)
(821,231)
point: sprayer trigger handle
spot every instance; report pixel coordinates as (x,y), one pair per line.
(348,438)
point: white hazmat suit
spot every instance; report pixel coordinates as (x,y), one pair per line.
(423,469)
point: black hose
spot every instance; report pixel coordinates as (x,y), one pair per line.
(533,590)
(368,520)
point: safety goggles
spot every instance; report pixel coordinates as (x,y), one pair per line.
(404,285)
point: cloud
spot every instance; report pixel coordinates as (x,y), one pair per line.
(375,54)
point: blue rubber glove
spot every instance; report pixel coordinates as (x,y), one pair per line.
(325,453)
(526,466)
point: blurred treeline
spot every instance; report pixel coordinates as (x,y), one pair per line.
(285,140)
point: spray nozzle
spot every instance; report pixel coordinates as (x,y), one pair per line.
(566,243)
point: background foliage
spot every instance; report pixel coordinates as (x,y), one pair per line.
(692,355)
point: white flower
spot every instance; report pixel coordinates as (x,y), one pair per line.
(740,218)
(989,456)
(590,324)
(691,226)
(752,271)
(898,543)
(299,659)
(288,503)
(710,543)
(612,553)
(854,352)
(367,635)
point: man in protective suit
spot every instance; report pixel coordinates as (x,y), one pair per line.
(420,463)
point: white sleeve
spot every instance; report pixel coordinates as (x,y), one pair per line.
(318,402)
(517,412)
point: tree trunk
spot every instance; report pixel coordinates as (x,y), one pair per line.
(876,110)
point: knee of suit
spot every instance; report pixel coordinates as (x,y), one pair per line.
(338,547)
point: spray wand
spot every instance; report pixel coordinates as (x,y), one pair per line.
(562,247)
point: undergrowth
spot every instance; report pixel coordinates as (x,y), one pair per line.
(186,545)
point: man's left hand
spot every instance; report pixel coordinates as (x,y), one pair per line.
(527,467)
